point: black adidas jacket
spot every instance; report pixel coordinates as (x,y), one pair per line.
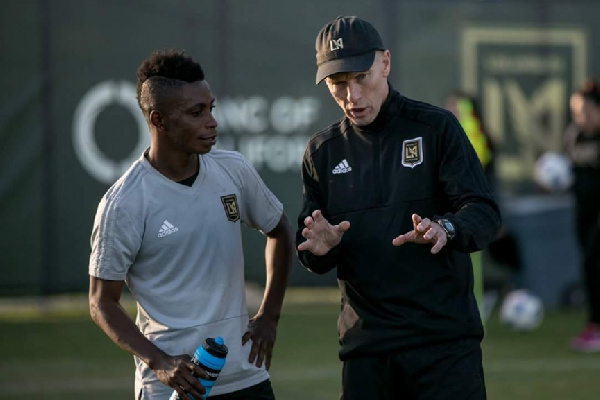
(414,158)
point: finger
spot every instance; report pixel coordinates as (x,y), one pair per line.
(269,355)
(307,233)
(199,372)
(301,247)
(416,218)
(308,222)
(193,386)
(308,245)
(424,225)
(254,351)
(260,354)
(342,226)
(431,234)
(181,392)
(399,240)
(248,335)
(268,352)
(407,237)
(439,245)
(317,216)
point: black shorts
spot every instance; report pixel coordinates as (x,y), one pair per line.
(261,391)
(445,371)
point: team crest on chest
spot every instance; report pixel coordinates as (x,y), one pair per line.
(230,204)
(412,152)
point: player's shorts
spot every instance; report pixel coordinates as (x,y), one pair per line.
(451,370)
(261,391)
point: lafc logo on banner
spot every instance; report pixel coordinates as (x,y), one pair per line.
(336,44)
(523,77)
(231,207)
(412,152)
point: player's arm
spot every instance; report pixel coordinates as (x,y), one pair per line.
(106,311)
(263,326)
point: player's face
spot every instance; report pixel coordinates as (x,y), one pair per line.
(361,94)
(189,125)
(452,105)
(585,113)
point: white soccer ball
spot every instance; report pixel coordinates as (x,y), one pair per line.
(521,310)
(552,171)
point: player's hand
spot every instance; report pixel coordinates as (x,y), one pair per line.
(424,231)
(262,330)
(180,373)
(320,235)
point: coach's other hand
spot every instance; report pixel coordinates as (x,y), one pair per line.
(424,231)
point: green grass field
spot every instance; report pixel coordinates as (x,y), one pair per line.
(63,355)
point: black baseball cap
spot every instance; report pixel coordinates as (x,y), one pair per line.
(346,44)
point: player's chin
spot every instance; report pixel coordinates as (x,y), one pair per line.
(203,149)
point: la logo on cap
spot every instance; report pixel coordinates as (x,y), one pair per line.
(336,44)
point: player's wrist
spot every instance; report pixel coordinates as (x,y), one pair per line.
(447,226)
(157,360)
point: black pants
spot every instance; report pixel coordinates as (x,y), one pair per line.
(589,238)
(261,391)
(445,371)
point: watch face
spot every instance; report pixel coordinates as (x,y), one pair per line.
(448,226)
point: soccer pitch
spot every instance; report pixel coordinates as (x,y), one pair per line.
(63,355)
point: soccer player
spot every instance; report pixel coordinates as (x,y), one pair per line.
(583,148)
(170,228)
(395,198)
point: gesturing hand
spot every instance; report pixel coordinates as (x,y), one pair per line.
(424,231)
(320,235)
(180,373)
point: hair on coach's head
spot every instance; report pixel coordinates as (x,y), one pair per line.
(163,71)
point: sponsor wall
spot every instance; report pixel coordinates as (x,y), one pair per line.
(69,123)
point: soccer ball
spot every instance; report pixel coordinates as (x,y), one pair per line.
(552,172)
(521,310)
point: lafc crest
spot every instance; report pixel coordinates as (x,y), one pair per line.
(230,204)
(412,152)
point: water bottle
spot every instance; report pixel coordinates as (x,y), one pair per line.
(210,356)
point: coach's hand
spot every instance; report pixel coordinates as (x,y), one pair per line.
(320,235)
(424,231)
(262,330)
(180,373)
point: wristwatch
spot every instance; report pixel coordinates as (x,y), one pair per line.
(448,227)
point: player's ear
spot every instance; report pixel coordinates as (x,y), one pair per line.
(157,120)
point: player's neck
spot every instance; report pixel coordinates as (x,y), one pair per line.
(174,165)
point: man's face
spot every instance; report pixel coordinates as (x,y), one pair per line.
(189,125)
(585,113)
(452,105)
(361,94)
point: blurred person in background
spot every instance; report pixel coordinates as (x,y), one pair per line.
(504,249)
(466,109)
(170,228)
(395,199)
(582,144)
